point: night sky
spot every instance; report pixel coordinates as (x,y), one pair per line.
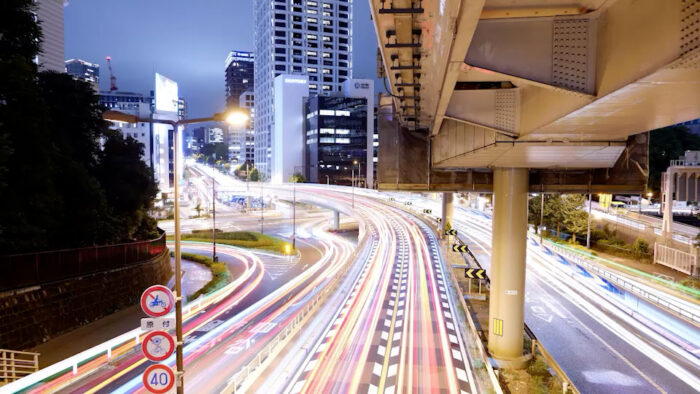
(185,40)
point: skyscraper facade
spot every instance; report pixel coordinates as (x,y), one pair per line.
(301,37)
(84,71)
(239,76)
(49,13)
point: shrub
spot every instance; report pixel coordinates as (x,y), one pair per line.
(219,272)
(640,247)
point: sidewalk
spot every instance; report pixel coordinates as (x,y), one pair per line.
(92,334)
(658,276)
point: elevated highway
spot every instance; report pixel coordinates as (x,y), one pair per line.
(513,97)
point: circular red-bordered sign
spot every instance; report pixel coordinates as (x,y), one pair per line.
(158,345)
(157,301)
(158,378)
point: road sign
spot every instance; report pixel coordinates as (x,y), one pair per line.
(158,345)
(427,211)
(391,199)
(451,232)
(460,248)
(474,273)
(408,203)
(438,220)
(157,323)
(157,301)
(158,378)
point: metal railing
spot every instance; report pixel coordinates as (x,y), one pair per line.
(33,269)
(674,308)
(15,365)
(566,383)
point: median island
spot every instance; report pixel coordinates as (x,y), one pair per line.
(243,239)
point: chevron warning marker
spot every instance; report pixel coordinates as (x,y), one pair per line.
(451,232)
(427,211)
(438,220)
(460,248)
(474,273)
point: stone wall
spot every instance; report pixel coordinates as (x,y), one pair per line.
(33,315)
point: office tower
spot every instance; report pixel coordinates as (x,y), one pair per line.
(339,131)
(241,140)
(132,104)
(239,76)
(84,71)
(297,37)
(49,13)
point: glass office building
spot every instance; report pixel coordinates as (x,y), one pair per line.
(336,140)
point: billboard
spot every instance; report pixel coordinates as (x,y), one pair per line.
(166,95)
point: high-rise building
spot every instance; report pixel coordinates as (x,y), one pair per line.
(241,140)
(239,76)
(339,136)
(297,37)
(49,13)
(132,104)
(84,71)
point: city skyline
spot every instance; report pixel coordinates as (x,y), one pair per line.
(201,75)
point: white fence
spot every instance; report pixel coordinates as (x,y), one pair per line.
(676,259)
(15,365)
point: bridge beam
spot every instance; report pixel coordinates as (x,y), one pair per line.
(447,210)
(509,240)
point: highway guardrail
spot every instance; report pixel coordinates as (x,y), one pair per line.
(674,308)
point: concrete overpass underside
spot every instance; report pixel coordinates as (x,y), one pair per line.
(513,97)
(567,89)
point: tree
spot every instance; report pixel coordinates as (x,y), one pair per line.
(129,185)
(534,212)
(58,187)
(254,175)
(297,178)
(198,208)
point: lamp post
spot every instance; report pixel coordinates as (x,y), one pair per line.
(352,186)
(237,117)
(294,206)
(328,180)
(214,257)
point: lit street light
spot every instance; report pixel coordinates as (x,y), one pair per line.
(234,118)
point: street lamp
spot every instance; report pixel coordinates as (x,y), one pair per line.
(235,118)
(294,206)
(353,182)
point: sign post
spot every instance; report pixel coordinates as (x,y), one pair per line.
(157,301)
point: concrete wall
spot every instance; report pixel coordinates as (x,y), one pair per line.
(33,315)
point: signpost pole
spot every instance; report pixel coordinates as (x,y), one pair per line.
(213,205)
(178,271)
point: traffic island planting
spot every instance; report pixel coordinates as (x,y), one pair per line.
(243,239)
(220,275)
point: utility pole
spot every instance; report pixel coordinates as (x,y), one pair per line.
(352,186)
(588,235)
(179,378)
(262,207)
(294,214)
(213,206)
(541,215)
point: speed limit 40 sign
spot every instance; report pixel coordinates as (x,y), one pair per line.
(158,378)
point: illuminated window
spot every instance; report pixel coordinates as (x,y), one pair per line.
(342,113)
(327,140)
(327,131)
(327,112)
(342,131)
(342,140)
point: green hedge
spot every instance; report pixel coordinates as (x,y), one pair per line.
(244,239)
(219,274)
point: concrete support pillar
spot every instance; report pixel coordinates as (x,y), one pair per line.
(506,316)
(447,199)
(336,220)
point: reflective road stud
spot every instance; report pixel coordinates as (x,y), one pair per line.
(158,378)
